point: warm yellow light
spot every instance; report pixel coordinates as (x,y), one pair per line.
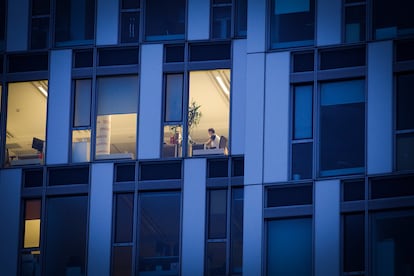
(32,233)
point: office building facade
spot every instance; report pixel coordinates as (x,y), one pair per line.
(108,167)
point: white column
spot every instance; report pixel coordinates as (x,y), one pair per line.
(327,227)
(17,25)
(328,22)
(194,209)
(58,112)
(238,97)
(198,22)
(100,219)
(276,143)
(256,26)
(380,108)
(150,105)
(254,119)
(10,185)
(253,248)
(107,22)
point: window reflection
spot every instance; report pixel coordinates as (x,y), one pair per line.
(26,123)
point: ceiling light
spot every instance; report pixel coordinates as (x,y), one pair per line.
(222,85)
(43,90)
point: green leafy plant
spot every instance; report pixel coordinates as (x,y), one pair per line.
(194,115)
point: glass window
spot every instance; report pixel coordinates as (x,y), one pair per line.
(30,255)
(342,128)
(405,151)
(74,22)
(26,122)
(116,122)
(209,112)
(173,98)
(392,19)
(236,231)
(355,17)
(2,24)
(122,261)
(124,217)
(66,228)
(221,22)
(289,195)
(217,227)
(159,233)
(241,18)
(39,34)
(130,16)
(303,99)
(216,259)
(289,243)
(166,23)
(302,160)
(392,243)
(405,101)
(292,23)
(354,244)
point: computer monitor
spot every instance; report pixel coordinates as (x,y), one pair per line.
(37,144)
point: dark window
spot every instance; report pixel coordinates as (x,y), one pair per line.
(404,50)
(27,63)
(203,52)
(1,64)
(33,178)
(355,17)
(173,98)
(241,18)
(405,101)
(159,232)
(68,176)
(354,243)
(39,35)
(303,111)
(392,243)
(174,53)
(289,247)
(221,21)
(125,172)
(216,258)
(124,217)
(218,168)
(405,151)
(287,196)
(83,58)
(342,128)
(82,103)
(217,219)
(332,59)
(392,187)
(122,261)
(2,24)
(124,56)
(236,231)
(74,22)
(159,171)
(392,19)
(130,4)
(302,160)
(130,26)
(353,190)
(166,23)
(237,166)
(303,62)
(66,228)
(292,23)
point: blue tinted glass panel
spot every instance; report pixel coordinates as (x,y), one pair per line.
(302,160)
(241,18)
(122,261)
(159,233)
(216,259)
(236,224)
(2,23)
(66,227)
(124,217)
(303,112)
(289,247)
(129,27)
(82,113)
(217,220)
(405,101)
(342,128)
(221,22)
(405,151)
(354,243)
(355,17)
(39,35)
(174,98)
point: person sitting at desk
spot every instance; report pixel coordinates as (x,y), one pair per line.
(214,141)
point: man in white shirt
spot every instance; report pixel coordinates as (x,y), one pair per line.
(214,141)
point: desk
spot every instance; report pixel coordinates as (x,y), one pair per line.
(208,152)
(127,155)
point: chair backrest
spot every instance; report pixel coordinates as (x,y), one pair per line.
(223,142)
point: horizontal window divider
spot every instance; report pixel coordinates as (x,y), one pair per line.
(173,67)
(159,185)
(67,189)
(342,73)
(217,182)
(209,64)
(237,181)
(302,77)
(395,202)
(404,66)
(130,10)
(27,76)
(124,187)
(302,141)
(355,4)
(353,206)
(46,15)
(123,244)
(32,192)
(216,240)
(404,131)
(118,69)
(79,73)
(288,211)
(222,5)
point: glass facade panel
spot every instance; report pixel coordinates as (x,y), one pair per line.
(355,17)
(303,115)
(74,22)
(172,141)
(216,259)
(124,218)
(405,151)
(173,98)
(354,243)
(342,128)
(292,23)
(82,105)
(122,261)
(26,123)
(166,23)
(66,228)
(129,27)
(241,18)
(209,108)
(2,24)
(221,27)
(289,243)
(81,145)
(159,233)
(302,160)
(217,226)
(117,117)
(392,243)
(39,35)
(405,101)
(32,223)
(236,234)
